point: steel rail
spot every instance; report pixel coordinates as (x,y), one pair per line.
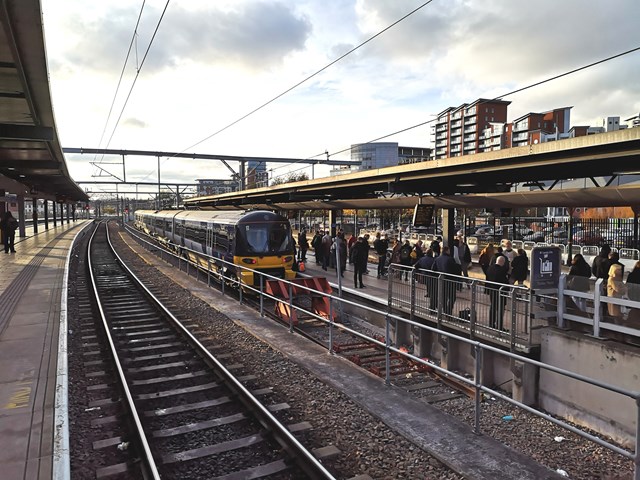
(148,456)
(300,455)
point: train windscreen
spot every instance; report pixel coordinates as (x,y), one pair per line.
(264,239)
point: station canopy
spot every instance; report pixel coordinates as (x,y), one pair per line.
(31,158)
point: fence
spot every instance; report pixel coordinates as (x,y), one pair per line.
(479,307)
(406,289)
(585,302)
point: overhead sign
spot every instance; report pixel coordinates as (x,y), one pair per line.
(546,263)
(423,215)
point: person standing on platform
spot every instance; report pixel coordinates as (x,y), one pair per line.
(615,289)
(464,254)
(485,257)
(497,273)
(303,245)
(519,268)
(614,259)
(601,263)
(9,225)
(326,250)
(578,279)
(359,256)
(368,245)
(424,267)
(316,243)
(435,248)
(350,243)
(405,258)
(381,245)
(446,264)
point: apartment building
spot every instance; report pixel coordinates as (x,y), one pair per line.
(534,128)
(458,130)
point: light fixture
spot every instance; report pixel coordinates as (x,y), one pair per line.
(471,184)
(632,172)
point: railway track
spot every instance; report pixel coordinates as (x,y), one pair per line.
(191,417)
(432,386)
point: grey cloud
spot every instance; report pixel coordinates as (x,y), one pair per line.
(258,36)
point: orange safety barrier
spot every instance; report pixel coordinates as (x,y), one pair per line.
(320,304)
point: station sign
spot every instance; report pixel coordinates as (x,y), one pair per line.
(423,215)
(546,264)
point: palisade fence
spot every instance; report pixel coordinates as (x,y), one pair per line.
(516,326)
(618,233)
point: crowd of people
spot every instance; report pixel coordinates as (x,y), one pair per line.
(502,266)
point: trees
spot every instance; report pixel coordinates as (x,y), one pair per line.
(289,178)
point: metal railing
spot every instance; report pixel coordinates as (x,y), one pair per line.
(408,292)
(480,307)
(589,305)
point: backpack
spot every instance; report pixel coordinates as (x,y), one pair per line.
(12,224)
(404,253)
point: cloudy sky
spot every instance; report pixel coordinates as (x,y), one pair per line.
(211,63)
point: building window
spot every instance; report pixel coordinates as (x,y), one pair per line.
(492,110)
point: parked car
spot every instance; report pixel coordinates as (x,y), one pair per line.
(557,235)
(535,237)
(588,237)
(484,231)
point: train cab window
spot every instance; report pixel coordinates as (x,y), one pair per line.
(264,239)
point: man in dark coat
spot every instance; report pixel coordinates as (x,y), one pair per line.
(424,268)
(303,245)
(316,243)
(601,264)
(381,245)
(359,254)
(497,273)
(446,264)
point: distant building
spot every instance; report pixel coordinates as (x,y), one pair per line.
(256,175)
(216,186)
(458,130)
(534,128)
(381,155)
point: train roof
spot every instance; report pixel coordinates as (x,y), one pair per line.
(221,216)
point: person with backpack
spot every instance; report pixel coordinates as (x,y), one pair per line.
(9,226)
(316,243)
(405,257)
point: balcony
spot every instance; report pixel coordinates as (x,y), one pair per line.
(469,146)
(456,133)
(455,149)
(456,141)
(518,127)
(470,129)
(470,120)
(456,115)
(469,138)
(520,137)
(441,143)
(442,128)
(440,136)
(470,111)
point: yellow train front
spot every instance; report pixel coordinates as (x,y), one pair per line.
(259,240)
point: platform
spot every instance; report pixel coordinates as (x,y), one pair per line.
(31,289)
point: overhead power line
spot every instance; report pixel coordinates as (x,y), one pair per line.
(310,76)
(138,70)
(126,60)
(555,77)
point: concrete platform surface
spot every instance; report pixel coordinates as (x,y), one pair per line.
(30,306)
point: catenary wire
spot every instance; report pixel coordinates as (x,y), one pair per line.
(541,82)
(139,69)
(302,81)
(126,60)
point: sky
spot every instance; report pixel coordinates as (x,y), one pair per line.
(211,63)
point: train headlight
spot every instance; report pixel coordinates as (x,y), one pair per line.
(287,259)
(250,261)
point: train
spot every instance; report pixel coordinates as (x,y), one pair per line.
(259,240)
